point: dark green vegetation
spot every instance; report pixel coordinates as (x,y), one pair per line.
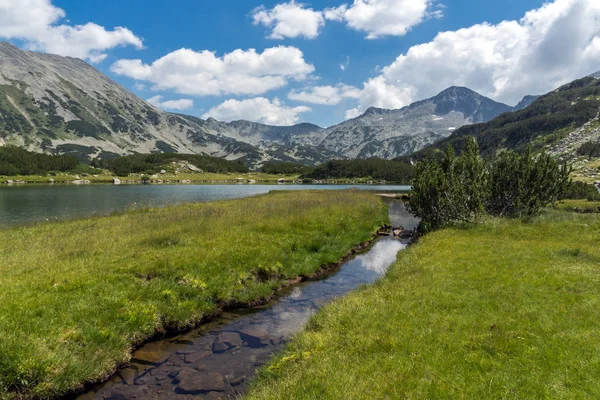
(18,161)
(548,119)
(580,206)
(286,168)
(153,163)
(589,149)
(505,309)
(576,190)
(76,296)
(374,168)
(460,189)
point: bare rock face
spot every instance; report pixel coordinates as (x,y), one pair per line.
(392,133)
(63,105)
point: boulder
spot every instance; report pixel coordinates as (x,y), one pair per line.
(116,181)
(162,171)
(193,168)
(80,182)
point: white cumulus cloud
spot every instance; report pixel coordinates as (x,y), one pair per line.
(179,105)
(258,109)
(377,18)
(203,73)
(382,17)
(549,46)
(290,20)
(38,24)
(325,95)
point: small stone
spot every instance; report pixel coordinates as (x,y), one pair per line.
(192,381)
(220,347)
(231,338)
(255,337)
(128,375)
(193,358)
(152,353)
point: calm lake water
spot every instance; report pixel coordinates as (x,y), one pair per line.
(20,205)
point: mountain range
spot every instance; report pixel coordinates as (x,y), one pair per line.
(63,105)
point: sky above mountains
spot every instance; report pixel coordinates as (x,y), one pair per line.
(322,61)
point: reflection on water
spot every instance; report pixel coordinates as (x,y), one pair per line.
(34,203)
(217,360)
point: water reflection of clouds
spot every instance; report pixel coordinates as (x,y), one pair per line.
(381,256)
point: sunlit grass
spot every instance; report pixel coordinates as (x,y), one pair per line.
(76,296)
(582,206)
(507,309)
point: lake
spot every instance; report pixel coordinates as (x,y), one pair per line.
(26,204)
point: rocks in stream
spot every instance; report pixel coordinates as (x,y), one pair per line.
(192,381)
(151,354)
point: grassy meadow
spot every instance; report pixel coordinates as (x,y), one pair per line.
(508,309)
(76,296)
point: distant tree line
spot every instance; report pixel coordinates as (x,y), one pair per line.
(18,161)
(153,163)
(463,188)
(375,168)
(286,168)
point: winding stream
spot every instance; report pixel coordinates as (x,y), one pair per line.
(218,359)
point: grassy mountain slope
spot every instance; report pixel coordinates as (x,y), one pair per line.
(546,121)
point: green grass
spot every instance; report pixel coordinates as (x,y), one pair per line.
(505,310)
(581,206)
(76,296)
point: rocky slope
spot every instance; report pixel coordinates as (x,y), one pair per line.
(392,133)
(63,105)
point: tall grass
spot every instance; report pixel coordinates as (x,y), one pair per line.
(75,297)
(505,310)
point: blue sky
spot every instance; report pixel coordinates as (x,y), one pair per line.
(305,81)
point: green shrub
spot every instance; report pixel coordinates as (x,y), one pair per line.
(460,189)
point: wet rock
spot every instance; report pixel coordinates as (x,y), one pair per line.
(255,337)
(193,358)
(235,379)
(230,338)
(193,381)
(152,354)
(406,235)
(128,375)
(220,347)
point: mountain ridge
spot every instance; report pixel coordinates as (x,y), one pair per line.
(388,133)
(63,105)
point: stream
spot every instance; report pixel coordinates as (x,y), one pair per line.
(218,359)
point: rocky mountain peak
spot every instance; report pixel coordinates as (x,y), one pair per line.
(526,102)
